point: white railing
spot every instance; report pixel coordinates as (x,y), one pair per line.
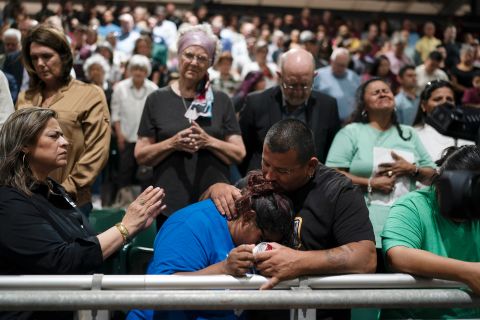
(114,292)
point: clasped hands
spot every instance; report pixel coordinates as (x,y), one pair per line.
(191,139)
(278,263)
(384,179)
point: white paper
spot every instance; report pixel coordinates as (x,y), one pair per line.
(402,184)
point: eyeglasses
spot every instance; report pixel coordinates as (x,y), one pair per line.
(299,87)
(190,57)
(279,171)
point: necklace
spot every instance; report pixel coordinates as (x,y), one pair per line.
(184,103)
(140,96)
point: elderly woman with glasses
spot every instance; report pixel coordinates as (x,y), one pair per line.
(379,154)
(436,93)
(188,132)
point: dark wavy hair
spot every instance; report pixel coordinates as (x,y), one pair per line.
(376,65)
(55,40)
(271,210)
(361,115)
(21,129)
(427,92)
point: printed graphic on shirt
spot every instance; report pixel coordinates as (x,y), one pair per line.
(297,229)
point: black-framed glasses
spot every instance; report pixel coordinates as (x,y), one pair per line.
(279,171)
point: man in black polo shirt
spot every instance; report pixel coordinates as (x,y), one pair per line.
(333,233)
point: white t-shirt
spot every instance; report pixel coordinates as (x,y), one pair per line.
(127,106)
(436,142)
(6,103)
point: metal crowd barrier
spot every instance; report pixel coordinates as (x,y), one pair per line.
(115,292)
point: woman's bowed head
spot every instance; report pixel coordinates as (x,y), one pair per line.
(264,214)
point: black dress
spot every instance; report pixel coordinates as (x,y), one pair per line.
(186,176)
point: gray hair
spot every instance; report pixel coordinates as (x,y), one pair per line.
(339,52)
(97,59)
(21,129)
(466,48)
(12,33)
(205,28)
(140,61)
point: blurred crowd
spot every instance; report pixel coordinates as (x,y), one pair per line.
(115,45)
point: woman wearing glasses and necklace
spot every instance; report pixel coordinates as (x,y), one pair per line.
(188,132)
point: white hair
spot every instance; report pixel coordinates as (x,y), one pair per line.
(12,33)
(466,48)
(96,59)
(205,28)
(339,52)
(140,61)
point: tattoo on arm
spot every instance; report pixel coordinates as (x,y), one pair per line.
(338,257)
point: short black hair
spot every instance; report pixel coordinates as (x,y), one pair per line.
(291,134)
(435,56)
(405,69)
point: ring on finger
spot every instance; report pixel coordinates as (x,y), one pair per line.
(390,173)
(142,202)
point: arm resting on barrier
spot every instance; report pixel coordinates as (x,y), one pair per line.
(238,262)
(426,264)
(283,263)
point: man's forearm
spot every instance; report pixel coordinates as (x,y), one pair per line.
(355,257)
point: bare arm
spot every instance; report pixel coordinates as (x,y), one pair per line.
(231,150)
(139,216)
(424,263)
(380,183)
(283,263)
(120,136)
(150,153)
(238,263)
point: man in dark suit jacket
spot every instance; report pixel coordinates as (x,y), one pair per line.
(293,98)
(13,66)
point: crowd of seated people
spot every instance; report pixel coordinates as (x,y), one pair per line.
(331,112)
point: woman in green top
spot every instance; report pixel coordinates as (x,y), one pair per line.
(373,152)
(418,239)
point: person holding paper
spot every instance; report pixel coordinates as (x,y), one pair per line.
(379,154)
(188,132)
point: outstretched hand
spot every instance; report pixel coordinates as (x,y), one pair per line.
(142,212)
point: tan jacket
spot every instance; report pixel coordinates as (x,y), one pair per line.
(84,118)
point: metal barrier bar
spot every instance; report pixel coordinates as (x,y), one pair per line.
(235,299)
(173,282)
